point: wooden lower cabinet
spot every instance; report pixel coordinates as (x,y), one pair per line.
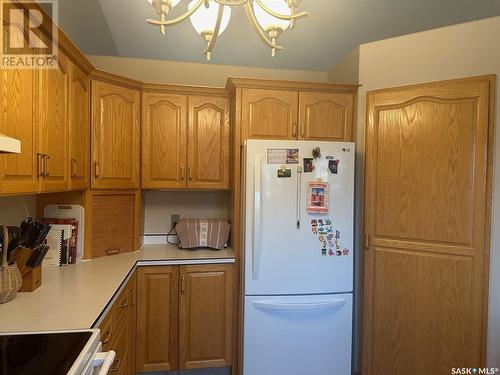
(118,330)
(157,316)
(205,316)
(184,317)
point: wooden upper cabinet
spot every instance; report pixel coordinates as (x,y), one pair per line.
(51,121)
(269,114)
(18,173)
(206,316)
(208,143)
(115,137)
(326,116)
(79,129)
(164,125)
(157,319)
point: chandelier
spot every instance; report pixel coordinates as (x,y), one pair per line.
(269,18)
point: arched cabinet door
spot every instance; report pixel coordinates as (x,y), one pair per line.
(18,172)
(208,143)
(51,121)
(326,116)
(269,114)
(164,124)
(79,128)
(115,137)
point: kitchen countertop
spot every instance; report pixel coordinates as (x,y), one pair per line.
(74,297)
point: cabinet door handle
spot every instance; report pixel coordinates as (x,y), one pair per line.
(107,337)
(183,282)
(97,169)
(73,167)
(302,129)
(132,297)
(294,129)
(39,165)
(190,173)
(46,166)
(123,305)
(112,251)
(183,173)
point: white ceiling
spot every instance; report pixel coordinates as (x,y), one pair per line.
(334,28)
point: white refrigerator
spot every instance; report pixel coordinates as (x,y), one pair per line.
(298,257)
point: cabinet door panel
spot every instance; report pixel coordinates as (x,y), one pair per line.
(157,319)
(206,310)
(18,173)
(51,90)
(79,129)
(427,198)
(208,143)
(326,116)
(164,141)
(115,137)
(269,114)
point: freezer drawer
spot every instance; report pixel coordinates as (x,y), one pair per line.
(297,335)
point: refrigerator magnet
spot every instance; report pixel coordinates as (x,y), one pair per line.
(333,166)
(284,173)
(317,197)
(308,165)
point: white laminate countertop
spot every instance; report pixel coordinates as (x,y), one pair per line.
(73,297)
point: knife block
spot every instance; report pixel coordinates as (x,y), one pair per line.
(32,279)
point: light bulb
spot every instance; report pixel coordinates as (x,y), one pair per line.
(269,22)
(204,19)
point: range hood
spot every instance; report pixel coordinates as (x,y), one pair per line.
(9,145)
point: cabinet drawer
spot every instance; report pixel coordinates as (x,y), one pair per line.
(115,223)
(107,330)
(120,346)
(122,308)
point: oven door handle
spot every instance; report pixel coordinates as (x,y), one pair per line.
(105,360)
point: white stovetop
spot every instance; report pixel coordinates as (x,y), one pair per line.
(73,297)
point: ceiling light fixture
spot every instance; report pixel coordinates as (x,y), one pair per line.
(269,18)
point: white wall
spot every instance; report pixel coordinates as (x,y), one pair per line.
(159,71)
(347,70)
(15,209)
(160,205)
(464,50)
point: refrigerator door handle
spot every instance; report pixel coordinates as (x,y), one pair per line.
(306,306)
(256,217)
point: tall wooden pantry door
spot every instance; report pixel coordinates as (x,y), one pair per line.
(427,224)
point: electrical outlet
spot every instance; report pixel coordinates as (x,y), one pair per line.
(174,219)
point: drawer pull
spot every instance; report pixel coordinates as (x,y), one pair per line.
(112,251)
(97,169)
(116,365)
(123,305)
(73,167)
(39,165)
(107,337)
(46,166)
